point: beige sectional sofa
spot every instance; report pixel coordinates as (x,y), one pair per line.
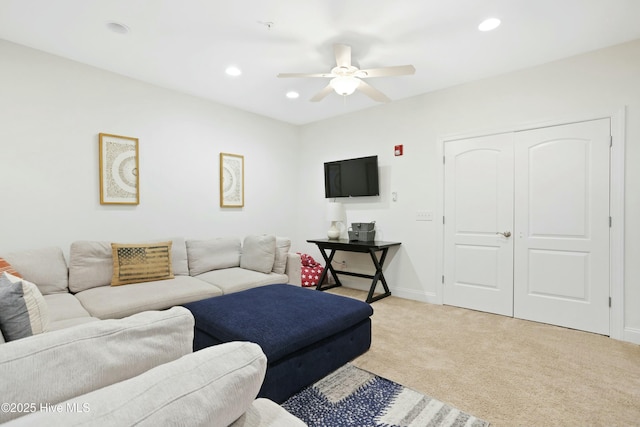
(140,371)
(82,292)
(121,355)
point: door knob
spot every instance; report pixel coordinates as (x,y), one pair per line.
(505,234)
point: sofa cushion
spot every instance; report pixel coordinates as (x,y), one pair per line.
(59,365)
(45,267)
(65,310)
(283,244)
(23,311)
(8,268)
(213,254)
(212,387)
(236,279)
(90,265)
(141,262)
(258,253)
(107,302)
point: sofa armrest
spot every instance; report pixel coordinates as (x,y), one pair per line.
(294,268)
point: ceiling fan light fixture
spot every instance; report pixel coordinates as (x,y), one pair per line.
(344,85)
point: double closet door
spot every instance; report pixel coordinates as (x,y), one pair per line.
(526,230)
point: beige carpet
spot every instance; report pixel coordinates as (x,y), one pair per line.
(507,371)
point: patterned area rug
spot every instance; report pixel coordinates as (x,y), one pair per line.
(353,397)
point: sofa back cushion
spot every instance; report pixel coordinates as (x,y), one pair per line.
(91,263)
(258,253)
(45,267)
(213,254)
(59,365)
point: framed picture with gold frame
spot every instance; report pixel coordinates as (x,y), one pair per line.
(119,178)
(231,180)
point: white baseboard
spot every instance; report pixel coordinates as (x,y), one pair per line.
(414,295)
(631,335)
(411,294)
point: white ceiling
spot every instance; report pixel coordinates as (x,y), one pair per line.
(187,44)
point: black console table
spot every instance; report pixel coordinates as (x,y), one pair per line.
(355,246)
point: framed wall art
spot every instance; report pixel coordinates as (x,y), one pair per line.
(231,180)
(119,178)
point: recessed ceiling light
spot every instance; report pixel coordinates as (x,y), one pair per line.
(489,24)
(117,28)
(233,71)
(292,94)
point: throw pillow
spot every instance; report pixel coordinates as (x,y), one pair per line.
(136,263)
(283,245)
(23,310)
(6,267)
(258,253)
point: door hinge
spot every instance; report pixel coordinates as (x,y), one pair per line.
(443,279)
(610,222)
(443,219)
(443,161)
(610,140)
(609,301)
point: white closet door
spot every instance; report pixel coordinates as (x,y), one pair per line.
(562,225)
(478,266)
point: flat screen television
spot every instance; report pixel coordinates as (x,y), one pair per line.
(351,177)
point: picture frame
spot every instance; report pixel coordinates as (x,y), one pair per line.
(231,180)
(119,177)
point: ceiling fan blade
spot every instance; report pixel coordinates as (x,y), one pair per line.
(343,55)
(281,75)
(398,70)
(372,92)
(322,94)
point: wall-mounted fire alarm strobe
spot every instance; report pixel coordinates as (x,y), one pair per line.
(397,150)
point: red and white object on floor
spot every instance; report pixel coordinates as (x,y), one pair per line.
(310,272)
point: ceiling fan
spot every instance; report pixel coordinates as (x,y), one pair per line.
(346,78)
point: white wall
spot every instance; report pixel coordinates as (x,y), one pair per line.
(51,111)
(597,82)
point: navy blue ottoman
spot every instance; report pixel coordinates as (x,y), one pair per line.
(305,334)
